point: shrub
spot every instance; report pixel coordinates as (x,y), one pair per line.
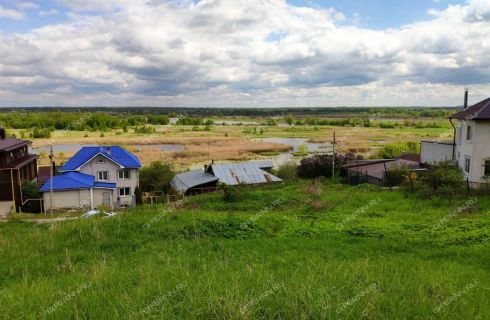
(230,193)
(321,165)
(30,190)
(397,175)
(394,150)
(144,130)
(138,195)
(156,176)
(288,171)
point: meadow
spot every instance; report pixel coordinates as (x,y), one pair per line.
(241,140)
(295,250)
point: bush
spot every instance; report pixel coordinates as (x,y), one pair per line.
(391,151)
(138,195)
(288,171)
(396,175)
(230,193)
(144,130)
(156,176)
(30,190)
(321,165)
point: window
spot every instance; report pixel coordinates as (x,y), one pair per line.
(467,164)
(487,168)
(100,161)
(469,133)
(124,191)
(102,175)
(123,174)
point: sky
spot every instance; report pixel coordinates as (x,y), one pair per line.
(243,53)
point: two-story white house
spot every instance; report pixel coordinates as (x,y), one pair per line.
(470,147)
(94,176)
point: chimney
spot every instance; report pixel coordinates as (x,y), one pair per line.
(2,133)
(465,98)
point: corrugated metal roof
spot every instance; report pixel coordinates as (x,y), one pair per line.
(114,153)
(242,173)
(73,181)
(186,180)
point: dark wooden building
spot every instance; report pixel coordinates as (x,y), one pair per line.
(16,165)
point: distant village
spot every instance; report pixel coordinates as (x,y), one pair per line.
(108,176)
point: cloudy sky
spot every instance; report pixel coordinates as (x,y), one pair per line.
(243,53)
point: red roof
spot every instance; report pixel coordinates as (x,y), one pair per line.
(479,111)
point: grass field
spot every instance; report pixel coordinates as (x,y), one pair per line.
(287,251)
(235,142)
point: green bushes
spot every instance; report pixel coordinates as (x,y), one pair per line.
(391,151)
(287,171)
(41,133)
(144,130)
(396,175)
(321,165)
(156,176)
(230,193)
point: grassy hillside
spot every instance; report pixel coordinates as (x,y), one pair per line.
(291,251)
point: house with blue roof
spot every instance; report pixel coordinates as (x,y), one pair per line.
(94,176)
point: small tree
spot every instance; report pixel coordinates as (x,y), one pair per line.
(138,195)
(156,176)
(30,190)
(289,119)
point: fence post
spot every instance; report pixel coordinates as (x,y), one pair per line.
(467,184)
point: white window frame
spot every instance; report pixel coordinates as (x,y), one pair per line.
(119,172)
(484,167)
(101,173)
(467,164)
(124,193)
(100,161)
(469,133)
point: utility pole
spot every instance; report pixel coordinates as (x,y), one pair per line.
(333,155)
(51,157)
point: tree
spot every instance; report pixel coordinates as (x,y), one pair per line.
(30,190)
(289,119)
(138,195)
(156,176)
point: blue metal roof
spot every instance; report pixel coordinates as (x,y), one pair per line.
(73,181)
(117,154)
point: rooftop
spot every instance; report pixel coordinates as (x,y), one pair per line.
(478,111)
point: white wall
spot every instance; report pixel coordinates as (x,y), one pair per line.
(92,167)
(478,149)
(74,199)
(432,152)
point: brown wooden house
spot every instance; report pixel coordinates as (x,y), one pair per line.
(16,165)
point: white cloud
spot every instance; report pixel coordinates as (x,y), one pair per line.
(27,5)
(51,12)
(244,53)
(11,13)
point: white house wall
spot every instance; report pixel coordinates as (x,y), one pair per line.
(481,150)
(74,199)
(92,167)
(478,149)
(432,152)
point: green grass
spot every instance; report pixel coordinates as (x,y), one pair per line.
(212,259)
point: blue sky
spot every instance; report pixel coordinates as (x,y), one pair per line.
(382,14)
(243,53)
(376,14)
